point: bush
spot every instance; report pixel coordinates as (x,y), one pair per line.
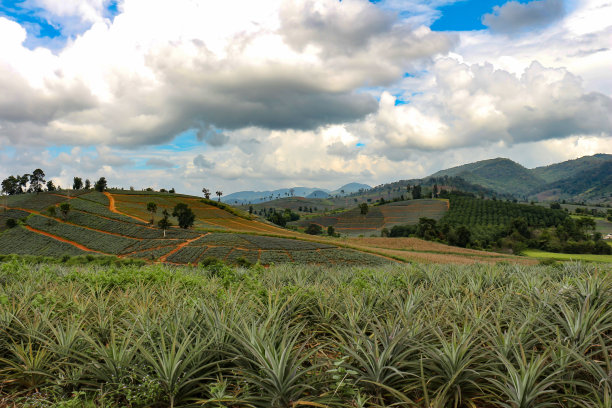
(314,229)
(11,223)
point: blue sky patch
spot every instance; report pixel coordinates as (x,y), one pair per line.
(185,141)
(466,15)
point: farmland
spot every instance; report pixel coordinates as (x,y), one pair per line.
(534,253)
(352,222)
(115,224)
(396,335)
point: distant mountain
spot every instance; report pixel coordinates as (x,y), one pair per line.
(350,188)
(254,197)
(243,197)
(318,194)
(501,175)
(571,168)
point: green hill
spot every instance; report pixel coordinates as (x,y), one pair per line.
(502,175)
(590,184)
(571,168)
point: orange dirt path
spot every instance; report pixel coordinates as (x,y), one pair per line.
(112,208)
(178,248)
(81,247)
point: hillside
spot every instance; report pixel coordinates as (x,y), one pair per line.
(571,168)
(502,175)
(352,222)
(115,223)
(591,184)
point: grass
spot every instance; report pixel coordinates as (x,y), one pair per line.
(289,336)
(534,253)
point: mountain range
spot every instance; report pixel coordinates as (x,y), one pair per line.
(588,179)
(244,197)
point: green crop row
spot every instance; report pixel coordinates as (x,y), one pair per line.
(21,241)
(96,197)
(151,254)
(34,201)
(147,244)
(274,257)
(99,209)
(125,228)
(97,241)
(11,215)
(187,254)
(470,211)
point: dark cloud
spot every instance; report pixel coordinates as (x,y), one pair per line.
(203,163)
(212,137)
(515,17)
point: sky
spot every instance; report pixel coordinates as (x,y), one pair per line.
(254,95)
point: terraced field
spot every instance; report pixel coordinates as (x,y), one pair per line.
(352,222)
(208,217)
(116,224)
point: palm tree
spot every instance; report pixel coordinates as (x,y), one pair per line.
(219,193)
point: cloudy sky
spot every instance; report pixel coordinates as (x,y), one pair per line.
(251,95)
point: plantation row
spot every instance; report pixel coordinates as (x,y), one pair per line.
(329,255)
(20,241)
(406,336)
(257,242)
(468,210)
(128,229)
(100,210)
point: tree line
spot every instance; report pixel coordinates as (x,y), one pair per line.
(36,183)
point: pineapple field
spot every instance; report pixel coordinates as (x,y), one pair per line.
(305,336)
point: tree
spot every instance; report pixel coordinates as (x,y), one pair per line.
(65,209)
(77,183)
(416,192)
(87,184)
(100,184)
(164,223)
(50,186)
(250,209)
(152,208)
(363,208)
(10,185)
(37,180)
(206,193)
(11,223)
(330,231)
(314,229)
(219,193)
(184,214)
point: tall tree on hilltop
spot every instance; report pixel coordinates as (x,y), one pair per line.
(219,193)
(37,181)
(77,183)
(206,193)
(100,184)
(87,184)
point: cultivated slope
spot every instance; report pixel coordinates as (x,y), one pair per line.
(352,222)
(116,223)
